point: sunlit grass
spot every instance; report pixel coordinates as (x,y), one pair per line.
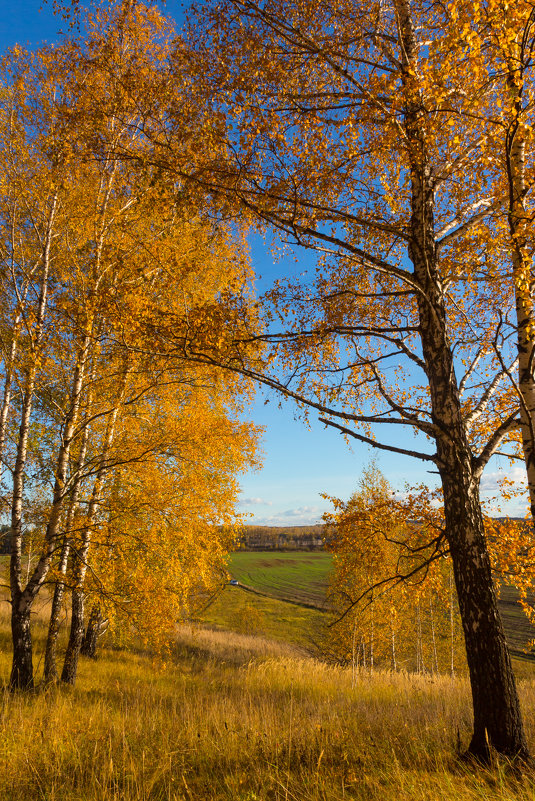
(234,716)
(245,612)
(237,718)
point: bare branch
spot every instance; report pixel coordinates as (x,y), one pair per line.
(369,441)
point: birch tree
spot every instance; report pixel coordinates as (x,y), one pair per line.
(391,568)
(346,138)
(95,245)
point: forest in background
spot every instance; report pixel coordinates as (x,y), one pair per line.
(282,538)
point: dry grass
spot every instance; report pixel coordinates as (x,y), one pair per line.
(237,718)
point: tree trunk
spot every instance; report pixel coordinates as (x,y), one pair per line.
(21,601)
(353,661)
(497,718)
(92,633)
(22,664)
(50,668)
(372,633)
(70,665)
(520,230)
(434,655)
(419,653)
(452,628)
(393,662)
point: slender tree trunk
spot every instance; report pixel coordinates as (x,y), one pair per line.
(50,667)
(76,635)
(70,665)
(372,635)
(8,381)
(20,612)
(21,601)
(393,662)
(520,228)
(353,662)
(9,361)
(434,658)
(43,565)
(452,627)
(50,673)
(95,627)
(419,657)
(22,665)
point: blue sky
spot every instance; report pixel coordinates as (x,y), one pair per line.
(300,463)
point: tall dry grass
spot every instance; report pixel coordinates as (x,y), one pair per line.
(238,718)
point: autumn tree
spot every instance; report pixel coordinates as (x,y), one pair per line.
(95,246)
(392,583)
(499,51)
(166,522)
(345,136)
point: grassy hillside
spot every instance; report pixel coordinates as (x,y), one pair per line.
(239,610)
(289,579)
(240,717)
(280,596)
(237,718)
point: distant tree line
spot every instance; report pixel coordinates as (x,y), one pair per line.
(282,538)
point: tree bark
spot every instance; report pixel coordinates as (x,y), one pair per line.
(520,226)
(50,667)
(70,665)
(452,629)
(21,601)
(76,634)
(393,662)
(497,717)
(93,631)
(434,655)
(22,665)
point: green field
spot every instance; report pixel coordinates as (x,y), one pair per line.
(294,576)
(282,595)
(247,613)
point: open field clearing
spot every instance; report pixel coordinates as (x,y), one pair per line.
(294,577)
(239,610)
(287,575)
(238,718)
(235,716)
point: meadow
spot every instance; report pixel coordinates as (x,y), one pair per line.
(296,576)
(237,716)
(281,595)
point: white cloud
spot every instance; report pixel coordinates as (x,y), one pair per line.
(300,516)
(303,510)
(491,482)
(256,502)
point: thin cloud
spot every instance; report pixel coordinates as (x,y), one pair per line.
(300,516)
(256,502)
(303,510)
(492,482)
